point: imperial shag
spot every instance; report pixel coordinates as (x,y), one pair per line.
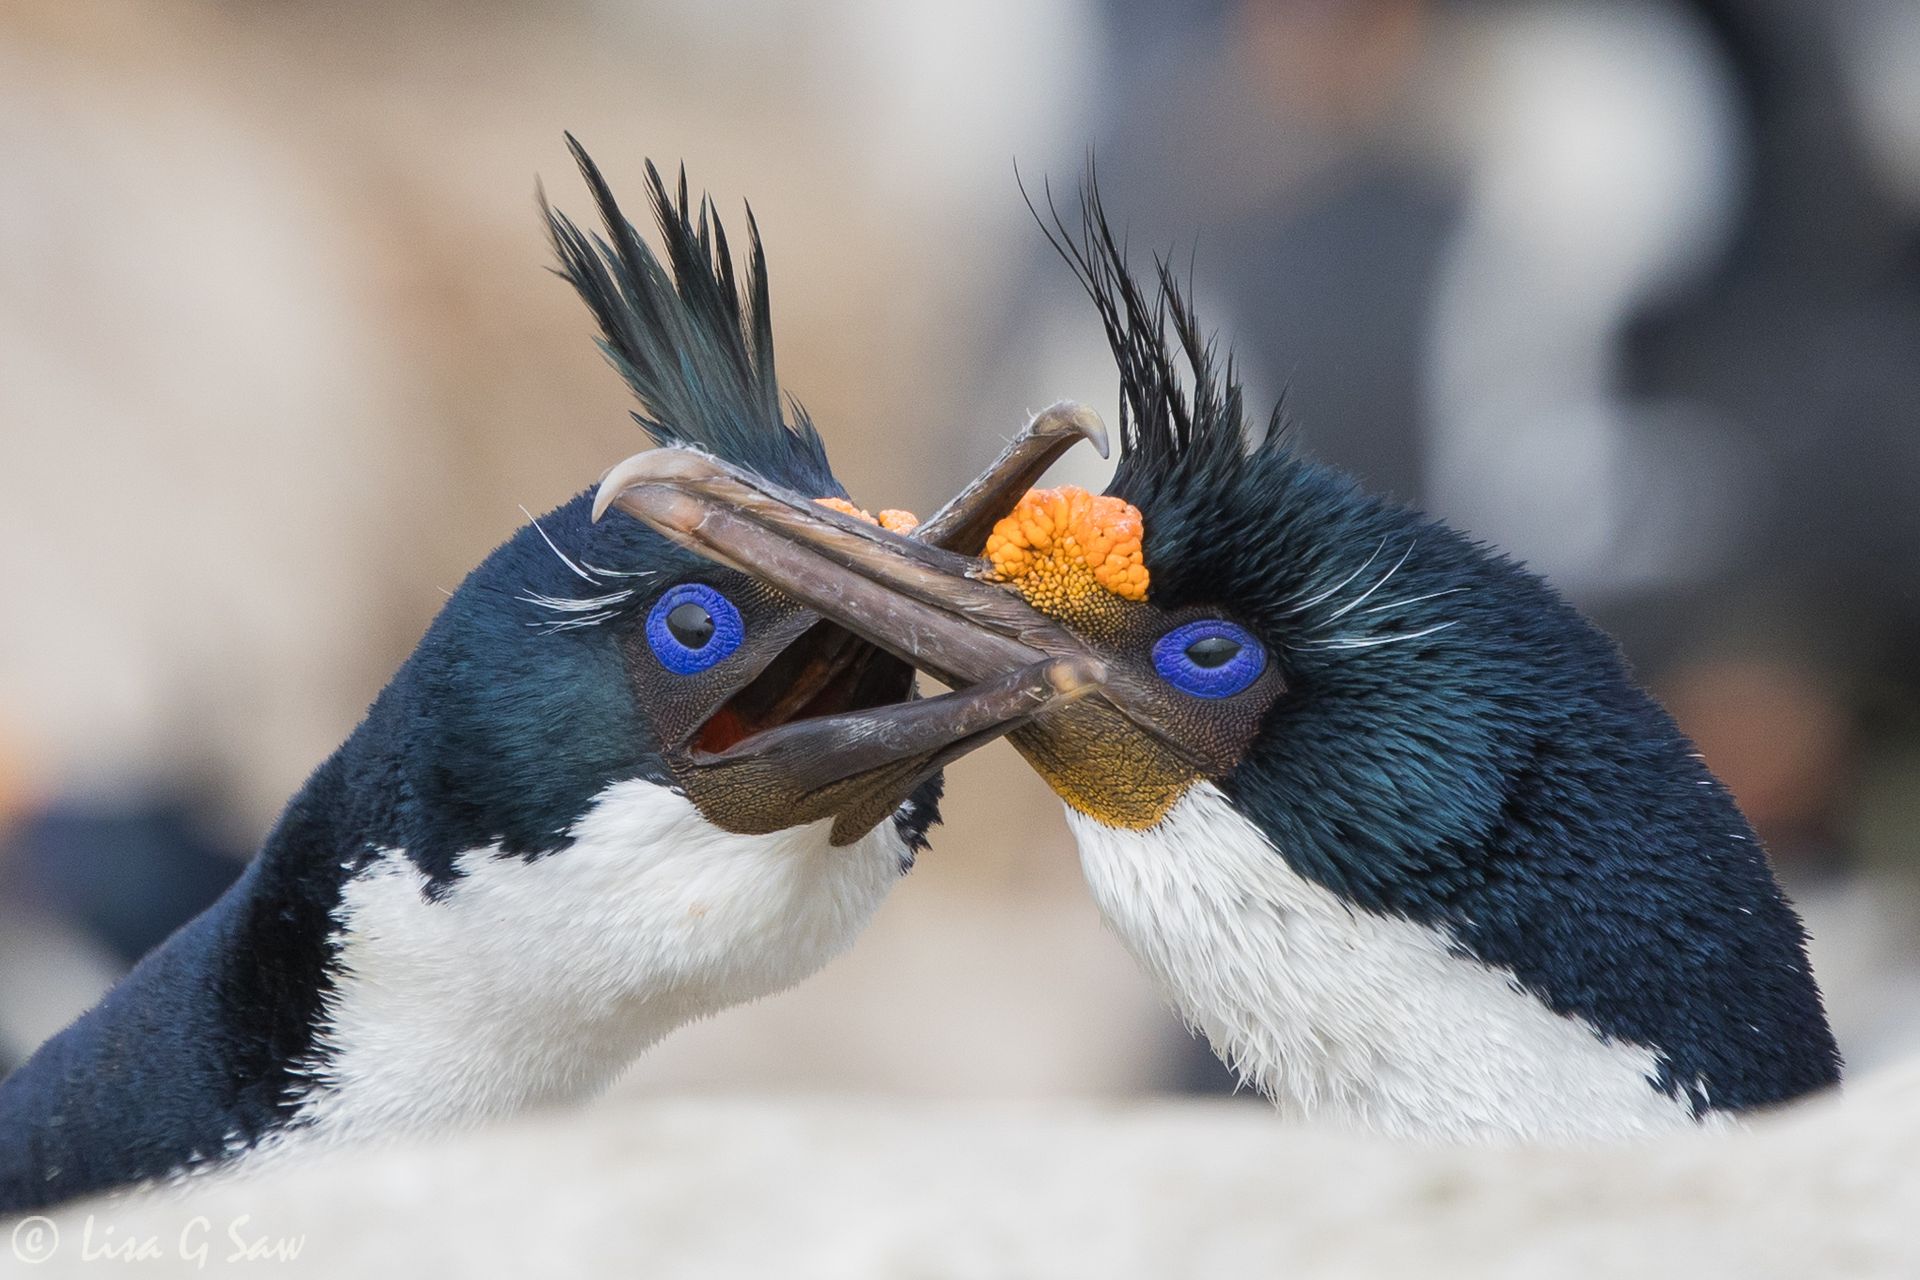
(1386,818)
(613,790)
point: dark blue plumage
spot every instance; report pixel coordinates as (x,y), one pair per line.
(696,349)
(198,1046)
(1500,777)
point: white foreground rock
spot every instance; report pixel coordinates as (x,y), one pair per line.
(847,1188)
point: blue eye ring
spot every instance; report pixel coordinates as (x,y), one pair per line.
(676,655)
(1179,669)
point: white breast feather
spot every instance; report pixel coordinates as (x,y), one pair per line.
(534,982)
(1337,1012)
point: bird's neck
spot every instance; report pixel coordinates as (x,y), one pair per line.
(339,993)
(531,981)
(198,1052)
(1341,1013)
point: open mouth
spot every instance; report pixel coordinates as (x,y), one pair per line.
(832,727)
(828,671)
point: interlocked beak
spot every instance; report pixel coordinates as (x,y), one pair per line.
(921,596)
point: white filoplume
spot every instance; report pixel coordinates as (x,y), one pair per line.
(1337,1012)
(530,982)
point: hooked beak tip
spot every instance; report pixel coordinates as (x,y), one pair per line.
(602,499)
(654,466)
(1067,418)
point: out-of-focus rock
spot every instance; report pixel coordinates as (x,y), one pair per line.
(846,1189)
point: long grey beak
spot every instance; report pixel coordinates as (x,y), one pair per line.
(908,595)
(963,524)
(1111,739)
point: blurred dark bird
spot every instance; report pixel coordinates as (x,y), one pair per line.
(1386,818)
(613,790)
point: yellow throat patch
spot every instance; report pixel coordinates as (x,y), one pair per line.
(1066,549)
(1075,556)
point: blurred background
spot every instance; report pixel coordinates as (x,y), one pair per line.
(1629,287)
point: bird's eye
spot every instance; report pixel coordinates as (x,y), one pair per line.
(1209,652)
(692,627)
(1211,658)
(690,624)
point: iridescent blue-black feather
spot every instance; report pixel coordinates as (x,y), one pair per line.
(1172,437)
(695,347)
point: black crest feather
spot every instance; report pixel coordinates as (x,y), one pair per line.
(696,347)
(1168,434)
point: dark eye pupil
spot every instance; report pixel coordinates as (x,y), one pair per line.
(690,624)
(1212,651)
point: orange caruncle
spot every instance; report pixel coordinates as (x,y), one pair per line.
(1061,547)
(893,520)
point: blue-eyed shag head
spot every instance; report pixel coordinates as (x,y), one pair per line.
(615,788)
(1388,820)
